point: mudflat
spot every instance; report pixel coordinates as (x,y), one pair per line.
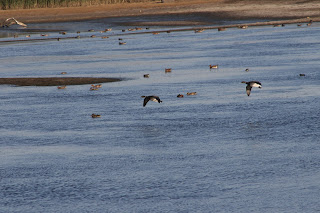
(219,9)
(55,81)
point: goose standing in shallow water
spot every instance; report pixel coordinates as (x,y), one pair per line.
(152,98)
(251,84)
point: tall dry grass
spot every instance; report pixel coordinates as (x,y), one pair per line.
(29,4)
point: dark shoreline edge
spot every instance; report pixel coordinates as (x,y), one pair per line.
(192,28)
(55,81)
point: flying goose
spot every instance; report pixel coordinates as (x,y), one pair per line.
(251,84)
(16,21)
(152,98)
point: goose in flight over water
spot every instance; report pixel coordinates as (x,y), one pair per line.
(152,98)
(15,21)
(251,84)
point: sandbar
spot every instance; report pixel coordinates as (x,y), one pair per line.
(55,81)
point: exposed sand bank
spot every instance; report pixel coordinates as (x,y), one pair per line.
(55,81)
(209,9)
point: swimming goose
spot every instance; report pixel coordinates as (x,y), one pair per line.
(179,96)
(94,87)
(199,31)
(213,66)
(191,93)
(152,98)
(95,115)
(251,84)
(166,70)
(243,27)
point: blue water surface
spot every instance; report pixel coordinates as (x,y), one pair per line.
(218,151)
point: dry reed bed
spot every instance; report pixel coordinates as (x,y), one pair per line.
(31,4)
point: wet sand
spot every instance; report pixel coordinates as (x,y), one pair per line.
(55,81)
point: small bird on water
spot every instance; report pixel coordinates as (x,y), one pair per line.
(213,66)
(152,98)
(191,93)
(95,115)
(251,84)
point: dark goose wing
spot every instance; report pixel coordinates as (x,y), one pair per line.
(145,101)
(248,89)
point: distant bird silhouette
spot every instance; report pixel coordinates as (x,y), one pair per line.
(180,96)
(13,21)
(247,70)
(152,98)
(251,84)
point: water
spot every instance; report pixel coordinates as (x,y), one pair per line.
(218,151)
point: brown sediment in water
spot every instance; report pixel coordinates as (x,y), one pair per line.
(55,81)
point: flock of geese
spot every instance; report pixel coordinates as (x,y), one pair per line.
(249,85)
(155,98)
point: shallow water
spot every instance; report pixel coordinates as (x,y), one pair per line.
(218,151)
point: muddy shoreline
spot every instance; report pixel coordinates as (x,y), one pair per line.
(197,9)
